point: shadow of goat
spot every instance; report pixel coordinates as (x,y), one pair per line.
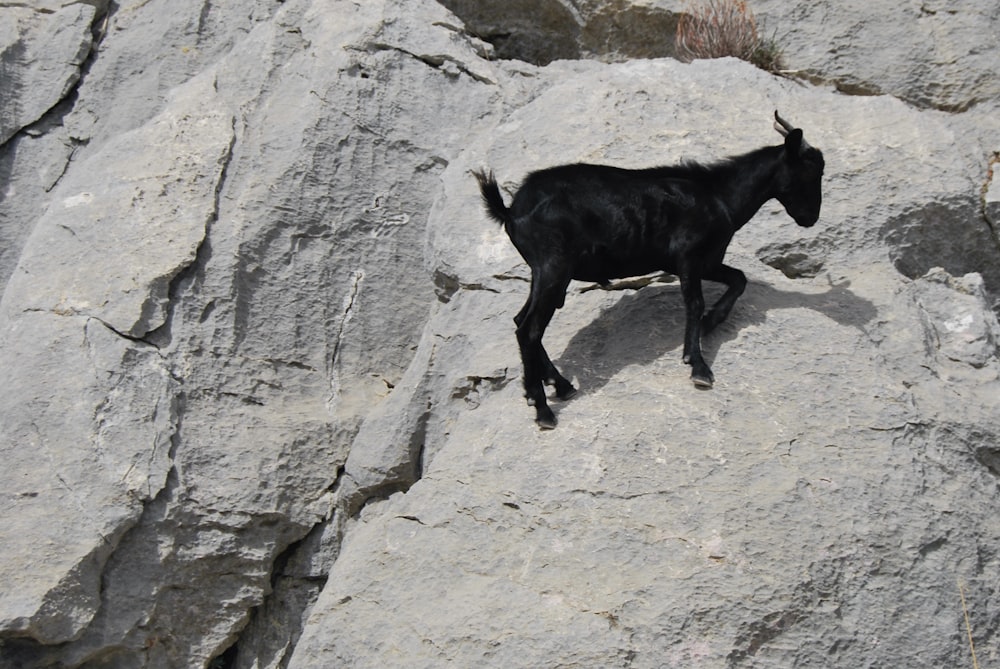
(597,351)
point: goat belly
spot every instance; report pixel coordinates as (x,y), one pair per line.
(602,266)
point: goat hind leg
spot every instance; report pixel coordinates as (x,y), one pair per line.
(532,356)
(530,362)
(546,295)
(564,389)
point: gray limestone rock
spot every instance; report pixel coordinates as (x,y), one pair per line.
(761,522)
(41,52)
(95,274)
(991,195)
(82,453)
(261,400)
(932,54)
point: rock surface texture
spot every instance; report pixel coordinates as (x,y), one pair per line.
(261,402)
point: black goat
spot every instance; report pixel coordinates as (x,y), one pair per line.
(596,223)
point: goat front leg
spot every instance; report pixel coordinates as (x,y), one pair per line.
(694,304)
(736,282)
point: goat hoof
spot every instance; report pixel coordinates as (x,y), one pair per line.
(546,420)
(702,381)
(566,393)
(546,423)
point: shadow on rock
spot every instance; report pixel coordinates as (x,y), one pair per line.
(644,325)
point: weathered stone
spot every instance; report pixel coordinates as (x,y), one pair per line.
(623,537)
(102,426)
(157,187)
(275,388)
(285,375)
(81,454)
(930,54)
(540,32)
(958,329)
(991,195)
(30,168)
(652,504)
(41,52)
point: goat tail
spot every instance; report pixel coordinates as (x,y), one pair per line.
(495,207)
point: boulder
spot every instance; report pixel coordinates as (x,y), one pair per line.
(781,517)
(262,402)
(930,54)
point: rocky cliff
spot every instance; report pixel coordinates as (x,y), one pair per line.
(261,399)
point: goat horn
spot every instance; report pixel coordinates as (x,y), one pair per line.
(784,127)
(781,125)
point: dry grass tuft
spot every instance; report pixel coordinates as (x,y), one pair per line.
(719,28)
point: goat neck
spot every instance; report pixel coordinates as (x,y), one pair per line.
(745,183)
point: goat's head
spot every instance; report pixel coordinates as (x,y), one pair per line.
(799,183)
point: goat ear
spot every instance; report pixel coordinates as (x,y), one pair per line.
(794,142)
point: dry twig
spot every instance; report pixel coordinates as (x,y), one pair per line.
(968,626)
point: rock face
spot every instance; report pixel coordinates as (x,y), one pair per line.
(930,54)
(261,402)
(43,49)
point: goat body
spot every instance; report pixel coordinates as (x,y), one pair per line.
(597,223)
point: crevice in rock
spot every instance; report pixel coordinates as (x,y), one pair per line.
(27,5)
(472,389)
(400,479)
(227,660)
(345,315)
(298,576)
(541,32)
(989,457)
(193,272)
(449,65)
(511,277)
(635,283)
(206,10)
(989,196)
(791,259)
(446,285)
(844,86)
(125,335)
(418,443)
(854,87)
(75,145)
